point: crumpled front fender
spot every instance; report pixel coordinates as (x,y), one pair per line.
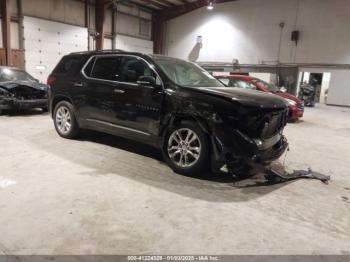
(230,146)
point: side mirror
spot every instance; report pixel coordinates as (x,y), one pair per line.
(147,81)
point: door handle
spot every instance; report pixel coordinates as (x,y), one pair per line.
(78,84)
(118,91)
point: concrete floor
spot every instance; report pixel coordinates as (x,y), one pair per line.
(106,195)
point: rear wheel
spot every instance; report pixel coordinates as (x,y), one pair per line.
(64,119)
(186,148)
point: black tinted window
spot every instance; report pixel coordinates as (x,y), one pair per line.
(119,68)
(68,65)
(89,66)
(107,68)
(133,68)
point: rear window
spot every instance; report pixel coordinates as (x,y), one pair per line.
(69,65)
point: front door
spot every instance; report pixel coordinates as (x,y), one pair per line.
(118,100)
(138,102)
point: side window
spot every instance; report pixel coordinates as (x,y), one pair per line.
(89,66)
(133,68)
(225,81)
(107,68)
(245,85)
(234,83)
(68,65)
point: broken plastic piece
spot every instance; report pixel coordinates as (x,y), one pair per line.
(297,174)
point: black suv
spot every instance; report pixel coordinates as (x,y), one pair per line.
(168,103)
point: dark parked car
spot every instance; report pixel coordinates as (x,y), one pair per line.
(296,107)
(168,103)
(19,90)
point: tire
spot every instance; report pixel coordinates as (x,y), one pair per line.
(193,156)
(63,114)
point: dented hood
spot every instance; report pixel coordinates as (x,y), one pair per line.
(11,85)
(246,97)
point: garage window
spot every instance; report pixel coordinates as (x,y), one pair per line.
(145,28)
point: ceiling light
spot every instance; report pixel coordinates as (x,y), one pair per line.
(210,6)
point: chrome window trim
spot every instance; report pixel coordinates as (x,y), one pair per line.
(82,71)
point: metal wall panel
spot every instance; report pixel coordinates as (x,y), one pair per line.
(107,44)
(66,11)
(132,44)
(45,42)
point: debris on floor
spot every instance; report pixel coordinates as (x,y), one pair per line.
(264,176)
(276,176)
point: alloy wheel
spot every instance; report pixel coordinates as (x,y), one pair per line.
(184,147)
(63,120)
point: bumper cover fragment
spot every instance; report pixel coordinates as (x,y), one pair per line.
(297,174)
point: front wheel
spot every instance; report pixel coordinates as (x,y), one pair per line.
(186,148)
(64,119)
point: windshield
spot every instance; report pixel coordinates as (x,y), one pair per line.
(237,83)
(9,74)
(270,88)
(185,73)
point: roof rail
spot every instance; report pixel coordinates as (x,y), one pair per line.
(109,50)
(97,51)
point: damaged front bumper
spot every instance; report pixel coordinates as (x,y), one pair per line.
(234,149)
(13,103)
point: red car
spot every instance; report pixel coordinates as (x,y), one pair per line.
(296,108)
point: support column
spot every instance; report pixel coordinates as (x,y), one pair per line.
(158,32)
(20,24)
(87,20)
(99,21)
(114,30)
(6,29)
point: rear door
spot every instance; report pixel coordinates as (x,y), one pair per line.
(66,80)
(101,75)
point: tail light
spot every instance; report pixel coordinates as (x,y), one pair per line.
(50,80)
